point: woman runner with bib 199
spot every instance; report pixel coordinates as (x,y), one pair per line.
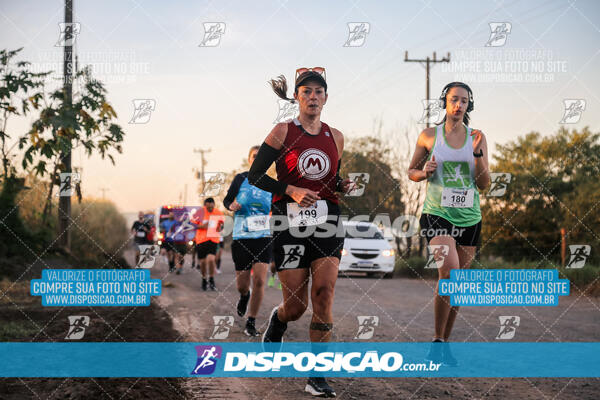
(306,152)
(453,158)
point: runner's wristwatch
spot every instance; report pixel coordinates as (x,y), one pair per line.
(477,155)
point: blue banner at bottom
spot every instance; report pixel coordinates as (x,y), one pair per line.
(337,359)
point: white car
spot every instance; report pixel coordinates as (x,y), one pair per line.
(366,250)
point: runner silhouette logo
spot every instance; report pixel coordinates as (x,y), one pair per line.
(508,326)
(148,254)
(500,181)
(77,325)
(498,34)
(456,174)
(366,326)
(292,255)
(360,180)
(207,359)
(437,254)
(579,255)
(313,164)
(223,324)
(573,111)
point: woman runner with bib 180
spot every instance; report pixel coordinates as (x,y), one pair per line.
(306,152)
(454,159)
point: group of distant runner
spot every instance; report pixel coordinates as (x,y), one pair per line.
(452,157)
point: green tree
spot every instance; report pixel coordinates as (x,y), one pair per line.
(382,194)
(87,122)
(554,185)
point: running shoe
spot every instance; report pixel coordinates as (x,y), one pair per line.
(251,328)
(211,284)
(178,271)
(435,352)
(204,284)
(447,357)
(318,386)
(242,304)
(271,281)
(276,329)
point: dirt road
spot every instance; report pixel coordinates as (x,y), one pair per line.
(405,311)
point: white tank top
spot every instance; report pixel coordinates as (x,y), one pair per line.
(455,173)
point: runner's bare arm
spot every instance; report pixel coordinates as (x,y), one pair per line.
(419,168)
(277,136)
(346,184)
(482,172)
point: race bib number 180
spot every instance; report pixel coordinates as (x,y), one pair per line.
(307,216)
(457,198)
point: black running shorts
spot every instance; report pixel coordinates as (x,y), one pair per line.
(433,225)
(247,252)
(291,251)
(205,248)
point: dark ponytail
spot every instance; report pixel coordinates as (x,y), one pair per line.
(280,87)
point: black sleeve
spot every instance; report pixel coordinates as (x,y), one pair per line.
(257,175)
(234,188)
(338,178)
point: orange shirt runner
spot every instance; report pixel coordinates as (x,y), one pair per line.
(215,220)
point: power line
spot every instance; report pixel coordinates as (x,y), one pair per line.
(425,62)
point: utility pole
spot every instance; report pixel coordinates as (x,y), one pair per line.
(426,63)
(103,190)
(64,202)
(202,164)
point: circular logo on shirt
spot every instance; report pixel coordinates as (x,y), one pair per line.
(313,164)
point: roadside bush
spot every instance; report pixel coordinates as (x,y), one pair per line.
(99,233)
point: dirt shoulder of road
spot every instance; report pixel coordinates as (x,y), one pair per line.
(23,319)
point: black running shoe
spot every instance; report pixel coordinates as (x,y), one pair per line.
(319,387)
(242,304)
(211,284)
(251,328)
(276,329)
(178,271)
(447,357)
(204,284)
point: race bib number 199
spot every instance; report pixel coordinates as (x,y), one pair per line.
(307,216)
(457,198)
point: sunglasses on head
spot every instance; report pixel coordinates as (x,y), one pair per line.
(318,70)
